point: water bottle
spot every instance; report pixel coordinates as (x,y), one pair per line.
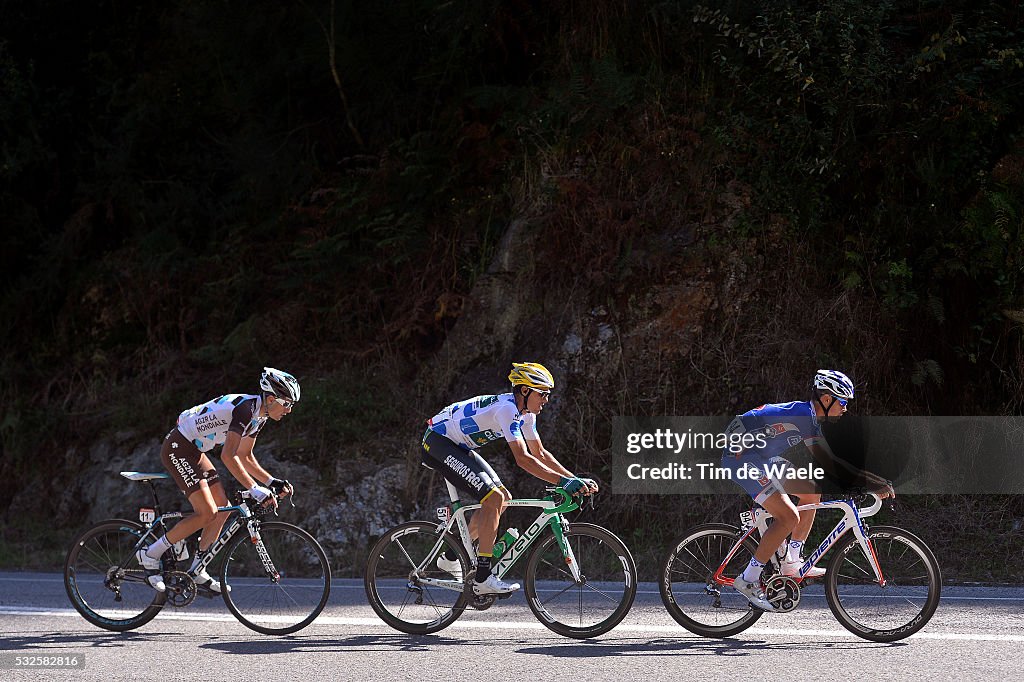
(504,542)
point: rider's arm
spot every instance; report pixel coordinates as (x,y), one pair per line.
(822,453)
(532,465)
(232,455)
(545,457)
(248,460)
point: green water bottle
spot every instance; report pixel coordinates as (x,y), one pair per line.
(504,542)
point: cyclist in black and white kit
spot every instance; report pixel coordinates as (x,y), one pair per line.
(231,421)
(450,443)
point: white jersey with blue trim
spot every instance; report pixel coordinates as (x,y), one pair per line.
(475,422)
(207,425)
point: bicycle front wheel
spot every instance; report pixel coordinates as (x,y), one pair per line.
(902,604)
(406,587)
(693,597)
(604,593)
(105,582)
(278,585)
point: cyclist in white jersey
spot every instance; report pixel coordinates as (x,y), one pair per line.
(450,443)
(231,421)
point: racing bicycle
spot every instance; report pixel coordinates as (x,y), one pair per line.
(580,579)
(882,583)
(275,577)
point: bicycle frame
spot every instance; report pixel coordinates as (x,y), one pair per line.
(241,514)
(853,520)
(550,515)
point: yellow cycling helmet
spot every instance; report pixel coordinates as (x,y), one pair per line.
(532,374)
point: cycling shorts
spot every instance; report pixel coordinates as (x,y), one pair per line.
(750,473)
(464,469)
(186,465)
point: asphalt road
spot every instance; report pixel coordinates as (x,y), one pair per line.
(977,633)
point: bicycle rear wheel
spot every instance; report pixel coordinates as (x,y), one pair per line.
(689,590)
(278,585)
(105,582)
(604,594)
(900,607)
(411,601)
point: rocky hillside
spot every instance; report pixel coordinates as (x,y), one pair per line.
(678,209)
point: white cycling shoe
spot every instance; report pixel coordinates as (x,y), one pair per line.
(754,593)
(451,567)
(494,585)
(152,566)
(204,578)
(792,569)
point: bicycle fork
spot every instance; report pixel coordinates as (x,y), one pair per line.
(264,555)
(560,528)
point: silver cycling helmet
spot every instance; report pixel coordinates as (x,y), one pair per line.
(281,384)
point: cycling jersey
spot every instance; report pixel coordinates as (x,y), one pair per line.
(475,422)
(784,425)
(207,425)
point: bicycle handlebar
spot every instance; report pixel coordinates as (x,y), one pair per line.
(567,504)
(873,509)
(245,497)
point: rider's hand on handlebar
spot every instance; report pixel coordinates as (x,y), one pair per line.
(590,486)
(261,494)
(281,488)
(571,485)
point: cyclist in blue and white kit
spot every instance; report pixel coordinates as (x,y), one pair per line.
(231,421)
(450,443)
(786,426)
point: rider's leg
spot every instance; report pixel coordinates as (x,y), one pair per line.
(486,582)
(786,518)
(803,528)
(150,556)
(486,519)
(806,492)
(474,521)
(205,509)
(194,473)
(211,529)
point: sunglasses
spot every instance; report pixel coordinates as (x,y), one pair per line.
(543,393)
(841,401)
(287,404)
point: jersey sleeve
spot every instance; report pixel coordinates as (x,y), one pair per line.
(510,423)
(529,426)
(241,416)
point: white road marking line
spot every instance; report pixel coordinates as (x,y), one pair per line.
(527,625)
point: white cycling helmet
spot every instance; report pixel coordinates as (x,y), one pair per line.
(834,382)
(281,384)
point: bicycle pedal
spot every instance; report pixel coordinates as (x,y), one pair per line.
(204,591)
(506,595)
